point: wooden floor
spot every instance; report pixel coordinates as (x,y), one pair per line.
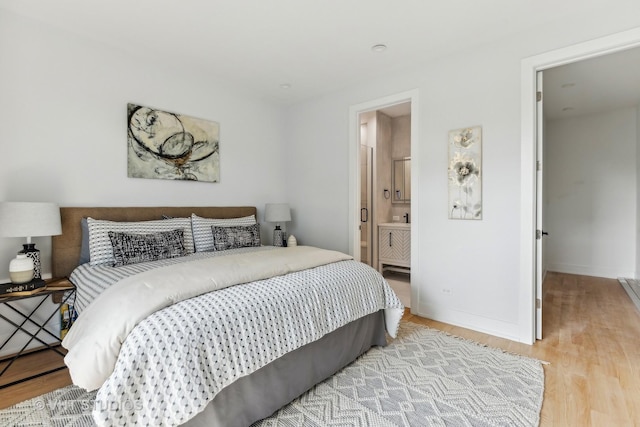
(591,339)
(27,366)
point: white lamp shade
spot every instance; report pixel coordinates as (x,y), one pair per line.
(277,212)
(29,219)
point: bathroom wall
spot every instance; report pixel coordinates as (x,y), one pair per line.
(400,147)
(383,167)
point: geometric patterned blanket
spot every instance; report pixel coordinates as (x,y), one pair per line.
(423,378)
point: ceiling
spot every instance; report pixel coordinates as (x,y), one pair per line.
(397,110)
(310,47)
(594,85)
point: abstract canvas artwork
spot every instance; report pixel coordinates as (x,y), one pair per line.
(165,145)
(465,173)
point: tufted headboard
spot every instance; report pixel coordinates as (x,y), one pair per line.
(66,247)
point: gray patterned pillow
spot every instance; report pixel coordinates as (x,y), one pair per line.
(100,247)
(202,237)
(236,237)
(135,248)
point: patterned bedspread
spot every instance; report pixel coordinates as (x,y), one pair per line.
(175,361)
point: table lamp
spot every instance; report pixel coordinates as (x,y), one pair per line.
(277,212)
(29,219)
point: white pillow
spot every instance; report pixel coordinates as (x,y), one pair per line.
(203,235)
(100,249)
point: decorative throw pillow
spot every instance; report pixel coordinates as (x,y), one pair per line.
(202,237)
(236,237)
(135,248)
(100,247)
(85,255)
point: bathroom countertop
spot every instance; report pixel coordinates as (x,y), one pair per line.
(395,224)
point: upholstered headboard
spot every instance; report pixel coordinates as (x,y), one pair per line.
(66,247)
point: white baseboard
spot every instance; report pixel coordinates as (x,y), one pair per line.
(474,322)
(588,270)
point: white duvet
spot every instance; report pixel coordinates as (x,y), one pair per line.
(292,296)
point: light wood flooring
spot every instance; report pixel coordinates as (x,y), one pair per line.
(591,339)
(26,366)
(401,285)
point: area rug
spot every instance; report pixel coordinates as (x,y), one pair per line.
(632,287)
(423,378)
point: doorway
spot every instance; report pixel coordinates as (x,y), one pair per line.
(590,140)
(383,129)
(531,253)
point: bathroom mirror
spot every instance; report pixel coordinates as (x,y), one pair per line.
(401,174)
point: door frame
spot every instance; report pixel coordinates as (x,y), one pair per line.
(354,176)
(528,71)
(539,275)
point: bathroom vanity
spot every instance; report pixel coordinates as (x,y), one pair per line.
(394,247)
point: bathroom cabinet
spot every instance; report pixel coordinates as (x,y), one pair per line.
(394,247)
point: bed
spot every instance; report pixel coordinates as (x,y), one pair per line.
(286,324)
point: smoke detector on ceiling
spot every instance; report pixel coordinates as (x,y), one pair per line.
(379,48)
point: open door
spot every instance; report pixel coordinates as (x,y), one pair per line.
(366,201)
(539,206)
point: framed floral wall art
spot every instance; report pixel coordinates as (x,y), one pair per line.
(165,145)
(465,173)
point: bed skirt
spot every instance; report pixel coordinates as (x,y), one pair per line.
(262,393)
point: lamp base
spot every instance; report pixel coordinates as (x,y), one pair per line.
(279,236)
(29,249)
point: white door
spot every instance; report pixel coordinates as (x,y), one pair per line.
(539,207)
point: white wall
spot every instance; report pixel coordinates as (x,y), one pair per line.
(637,272)
(592,190)
(63,137)
(63,134)
(478,261)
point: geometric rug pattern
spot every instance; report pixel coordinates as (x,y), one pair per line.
(423,378)
(632,286)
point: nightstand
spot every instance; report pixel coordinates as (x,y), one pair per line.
(61,292)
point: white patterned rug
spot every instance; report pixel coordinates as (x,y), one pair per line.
(423,378)
(632,286)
